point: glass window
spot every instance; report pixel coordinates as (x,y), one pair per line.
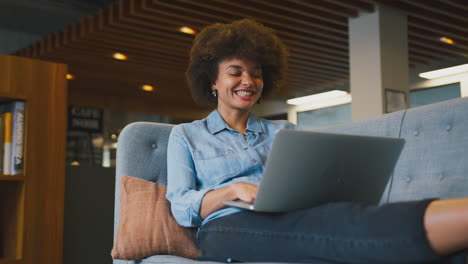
(435,94)
(324,117)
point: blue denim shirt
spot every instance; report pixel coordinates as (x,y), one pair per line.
(207,155)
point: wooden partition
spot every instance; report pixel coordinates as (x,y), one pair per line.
(31,204)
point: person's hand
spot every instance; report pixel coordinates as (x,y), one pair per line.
(246,192)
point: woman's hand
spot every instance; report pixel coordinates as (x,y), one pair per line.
(213,200)
(246,192)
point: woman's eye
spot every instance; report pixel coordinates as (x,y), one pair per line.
(237,74)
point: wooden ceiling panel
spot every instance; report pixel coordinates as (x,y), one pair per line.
(316,33)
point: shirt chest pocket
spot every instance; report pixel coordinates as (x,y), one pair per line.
(215,166)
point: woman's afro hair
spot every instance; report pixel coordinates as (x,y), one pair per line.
(241,39)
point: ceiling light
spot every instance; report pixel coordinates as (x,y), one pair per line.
(70,76)
(119,56)
(444,72)
(147,88)
(447,40)
(318,98)
(187,30)
(322,100)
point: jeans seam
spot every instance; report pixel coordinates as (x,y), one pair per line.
(300,235)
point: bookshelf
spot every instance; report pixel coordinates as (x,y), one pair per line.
(31,204)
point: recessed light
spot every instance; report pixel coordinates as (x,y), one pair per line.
(187,30)
(119,56)
(70,76)
(447,40)
(147,88)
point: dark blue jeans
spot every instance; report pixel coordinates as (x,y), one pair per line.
(331,233)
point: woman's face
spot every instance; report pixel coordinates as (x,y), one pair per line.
(239,84)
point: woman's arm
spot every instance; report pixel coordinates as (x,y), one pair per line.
(182,189)
(213,200)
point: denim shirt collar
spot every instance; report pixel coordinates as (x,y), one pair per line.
(216,123)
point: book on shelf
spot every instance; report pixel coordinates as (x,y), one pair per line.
(2,135)
(12,114)
(7,121)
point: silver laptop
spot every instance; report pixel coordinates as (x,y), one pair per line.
(305,169)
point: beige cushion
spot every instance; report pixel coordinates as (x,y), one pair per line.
(146,225)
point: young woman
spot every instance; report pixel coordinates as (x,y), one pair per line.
(222,157)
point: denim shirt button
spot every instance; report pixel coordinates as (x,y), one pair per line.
(416,132)
(254,160)
(153,146)
(448,127)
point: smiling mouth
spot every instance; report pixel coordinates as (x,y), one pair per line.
(244,93)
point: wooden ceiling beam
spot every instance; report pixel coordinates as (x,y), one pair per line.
(437,28)
(132,47)
(421,47)
(123,68)
(298,69)
(436,7)
(298,44)
(273,19)
(314,73)
(309,29)
(413,59)
(155,38)
(434,35)
(307,76)
(165,46)
(101,50)
(318,66)
(355,4)
(76,56)
(337,40)
(118,17)
(328,7)
(303,89)
(291,9)
(94,52)
(332,64)
(144,11)
(459,46)
(174,7)
(184,17)
(460,4)
(319,54)
(426,56)
(439,45)
(424,15)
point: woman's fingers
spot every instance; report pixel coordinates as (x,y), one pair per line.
(245,191)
